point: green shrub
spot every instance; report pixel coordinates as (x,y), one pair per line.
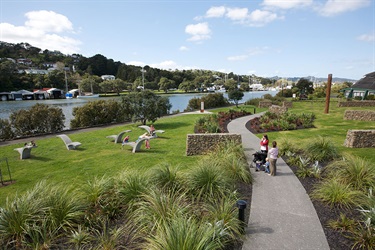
(6,132)
(39,119)
(322,149)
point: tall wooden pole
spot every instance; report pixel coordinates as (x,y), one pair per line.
(328,93)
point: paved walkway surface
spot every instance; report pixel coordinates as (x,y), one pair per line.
(282,215)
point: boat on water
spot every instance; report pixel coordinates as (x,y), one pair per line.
(88,96)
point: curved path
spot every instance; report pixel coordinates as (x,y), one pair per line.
(282,215)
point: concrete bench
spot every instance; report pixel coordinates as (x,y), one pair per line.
(118,138)
(68,142)
(25,152)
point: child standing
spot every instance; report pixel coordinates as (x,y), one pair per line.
(267,166)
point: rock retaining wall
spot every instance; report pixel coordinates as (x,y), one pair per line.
(356,104)
(277,109)
(360,139)
(359,115)
(267,104)
(197,144)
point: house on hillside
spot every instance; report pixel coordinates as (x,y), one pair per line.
(363,88)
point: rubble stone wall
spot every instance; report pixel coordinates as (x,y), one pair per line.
(356,104)
(359,115)
(277,109)
(265,104)
(197,144)
(360,139)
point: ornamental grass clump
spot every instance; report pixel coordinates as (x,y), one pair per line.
(335,193)
(322,149)
(229,156)
(357,172)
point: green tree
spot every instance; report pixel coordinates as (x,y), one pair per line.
(118,85)
(230,84)
(165,84)
(145,106)
(235,95)
(305,86)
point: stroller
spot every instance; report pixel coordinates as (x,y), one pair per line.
(259,160)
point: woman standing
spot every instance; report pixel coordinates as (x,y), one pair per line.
(273,153)
(264,144)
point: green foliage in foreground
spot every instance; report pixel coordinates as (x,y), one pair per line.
(128,209)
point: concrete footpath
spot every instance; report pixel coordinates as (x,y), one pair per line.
(282,215)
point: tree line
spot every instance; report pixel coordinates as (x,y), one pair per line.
(84,72)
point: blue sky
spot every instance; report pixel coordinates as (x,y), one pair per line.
(285,38)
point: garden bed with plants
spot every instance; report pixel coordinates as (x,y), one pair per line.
(338,186)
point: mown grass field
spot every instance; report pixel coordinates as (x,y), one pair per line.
(99,156)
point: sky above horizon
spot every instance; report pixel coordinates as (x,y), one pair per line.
(285,38)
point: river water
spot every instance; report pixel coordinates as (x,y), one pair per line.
(179,102)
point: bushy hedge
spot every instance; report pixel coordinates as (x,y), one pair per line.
(39,119)
(97,113)
(210,101)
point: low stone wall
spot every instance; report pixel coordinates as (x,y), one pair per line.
(359,115)
(360,139)
(197,144)
(265,104)
(356,104)
(277,109)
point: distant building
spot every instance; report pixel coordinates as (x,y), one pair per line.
(108,77)
(36,71)
(363,87)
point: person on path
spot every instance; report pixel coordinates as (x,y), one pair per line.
(273,153)
(264,144)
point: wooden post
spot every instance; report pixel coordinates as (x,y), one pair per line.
(328,93)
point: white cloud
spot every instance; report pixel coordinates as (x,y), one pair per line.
(48,21)
(165,65)
(198,32)
(286,4)
(261,17)
(42,30)
(215,12)
(335,7)
(237,58)
(183,48)
(256,18)
(236,14)
(136,63)
(367,37)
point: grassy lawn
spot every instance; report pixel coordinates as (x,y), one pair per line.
(99,156)
(331,125)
